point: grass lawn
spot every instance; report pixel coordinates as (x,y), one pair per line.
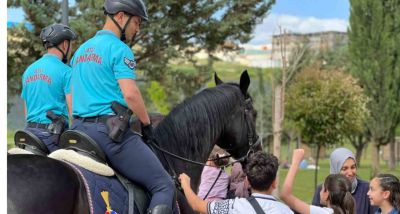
(10,139)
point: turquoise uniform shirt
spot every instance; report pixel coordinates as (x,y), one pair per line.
(44,86)
(97,66)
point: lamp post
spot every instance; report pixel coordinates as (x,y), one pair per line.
(64,8)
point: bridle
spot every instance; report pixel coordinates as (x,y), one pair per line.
(251,136)
(253,142)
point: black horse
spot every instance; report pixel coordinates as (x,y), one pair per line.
(223,115)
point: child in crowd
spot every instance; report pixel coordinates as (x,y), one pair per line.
(384,191)
(335,192)
(261,170)
(214,174)
(342,161)
(238,186)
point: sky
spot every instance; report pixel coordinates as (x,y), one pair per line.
(303,16)
(300,16)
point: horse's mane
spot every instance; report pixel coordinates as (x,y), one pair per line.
(196,123)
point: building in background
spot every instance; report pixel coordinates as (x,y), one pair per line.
(315,41)
(270,55)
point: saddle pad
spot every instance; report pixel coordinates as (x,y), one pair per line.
(18,151)
(82,161)
(95,184)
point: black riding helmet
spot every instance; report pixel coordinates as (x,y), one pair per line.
(132,7)
(54,34)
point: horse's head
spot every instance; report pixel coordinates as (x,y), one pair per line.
(239,136)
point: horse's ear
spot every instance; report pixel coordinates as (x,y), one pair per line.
(218,81)
(244,82)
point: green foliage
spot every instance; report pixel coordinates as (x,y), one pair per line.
(262,95)
(325,106)
(335,58)
(86,18)
(374,50)
(23,45)
(176,30)
(21,51)
(158,97)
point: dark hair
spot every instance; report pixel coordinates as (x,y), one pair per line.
(261,170)
(216,155)
(391,183)
(340,198)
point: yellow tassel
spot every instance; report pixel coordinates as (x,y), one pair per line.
(104,194)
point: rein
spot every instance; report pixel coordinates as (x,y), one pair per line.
(197,162)
(252,145)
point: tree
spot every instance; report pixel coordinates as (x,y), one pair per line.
(263,105)
(374,50)
(359,141)
(325,106)
(23,44)
(297,60)
(176,30)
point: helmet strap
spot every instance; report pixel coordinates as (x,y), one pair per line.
(122,30)
(64,55)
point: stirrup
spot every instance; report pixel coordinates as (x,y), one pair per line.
(27,140)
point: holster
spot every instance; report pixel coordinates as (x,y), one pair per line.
(58,124)
(118,124)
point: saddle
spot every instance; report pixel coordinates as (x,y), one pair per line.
(26,140)
(75,143)
(82,144)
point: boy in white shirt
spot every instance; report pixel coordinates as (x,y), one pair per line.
(261,170)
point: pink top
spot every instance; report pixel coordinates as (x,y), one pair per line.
(208,177)
(238,184)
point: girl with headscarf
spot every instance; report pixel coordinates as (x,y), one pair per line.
(342,161)
(335,193)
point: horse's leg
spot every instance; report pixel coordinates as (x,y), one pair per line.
(39,184)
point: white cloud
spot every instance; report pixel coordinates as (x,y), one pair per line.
(264,31)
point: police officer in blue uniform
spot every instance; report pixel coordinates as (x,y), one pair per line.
(104,72)
(46,84)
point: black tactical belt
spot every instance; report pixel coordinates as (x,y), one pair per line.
(38,125)
(97,119)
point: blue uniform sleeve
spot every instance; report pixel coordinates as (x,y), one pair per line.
(67,79)
(123,63)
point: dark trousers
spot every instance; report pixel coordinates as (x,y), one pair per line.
(133,159)
(51,140)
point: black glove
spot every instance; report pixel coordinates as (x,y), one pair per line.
(147,133)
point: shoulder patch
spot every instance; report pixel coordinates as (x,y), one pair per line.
(130,63)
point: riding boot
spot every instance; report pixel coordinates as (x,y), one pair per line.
(159,209)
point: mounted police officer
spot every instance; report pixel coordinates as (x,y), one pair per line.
(104,72)
(46,86)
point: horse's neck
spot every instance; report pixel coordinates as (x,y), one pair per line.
(192,129)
